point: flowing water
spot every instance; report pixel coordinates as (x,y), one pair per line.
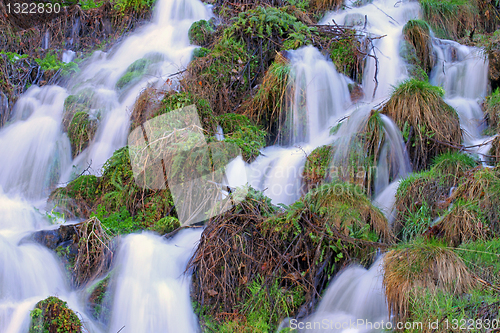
(150,290)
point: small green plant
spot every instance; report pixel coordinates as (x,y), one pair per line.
(200,32)
(90,4)
(52,315)
(123,6)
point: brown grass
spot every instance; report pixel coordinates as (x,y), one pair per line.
(325,5)
(148,103)
(462,224)
(417,33)
(268,107)
(418,268)
(433,124)
(94,252)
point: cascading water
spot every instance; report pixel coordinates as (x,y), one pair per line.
(320,97)
(35,153)
(462,72)
(354,302)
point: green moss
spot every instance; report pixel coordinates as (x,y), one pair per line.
(453,163)
(133,73)
(344,54)
(200,52)
(239,130)
(124,6)
(81,131)
(201,32)
(53,316)
(317,165)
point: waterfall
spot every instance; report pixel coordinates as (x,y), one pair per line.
(462,72)
(353,302)
(152,292)
(36,157)
(320,98)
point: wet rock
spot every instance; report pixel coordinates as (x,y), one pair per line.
(355,19)
(52,239)
(494,69)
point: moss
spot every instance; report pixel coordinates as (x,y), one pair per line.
(316,167)
(200,32)
(492,110)
(133,73)
(99,300)
(200,52)
(53,316)
(346,56)
(239,130)
(81,131)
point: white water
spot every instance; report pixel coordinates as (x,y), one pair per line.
(152,292)
(320,98)
(353,302)
(35,153)
(462,72)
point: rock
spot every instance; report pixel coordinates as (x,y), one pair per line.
(494,69)
(52,238)
(4,108)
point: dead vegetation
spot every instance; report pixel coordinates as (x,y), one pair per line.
(417,33)
(419,268)
(94,251)
(429,125)
(299,249)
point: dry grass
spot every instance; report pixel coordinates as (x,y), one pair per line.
(269,105)
(148,103)
(420,268)
(417,33)
(451,18)
(299,247)
(462,224)
(432,125)
(94,252)
(325,5)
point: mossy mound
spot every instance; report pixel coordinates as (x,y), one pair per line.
(241,54)
(76,103)
(290,255)
(239,130)
(152,103)
(423,196)
(116,200)
(427,122)
(415,269)
(81,132)
(52,315)
(492,110)
(316,167)
(201,33)
(133,73)
(346,55)
(417,34)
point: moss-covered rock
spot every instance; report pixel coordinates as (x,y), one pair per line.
(133,73)
(316,167)
(345,54)
(492,110)
(99,300)
(52,315)
(81,131)
(417,33)
(201,32)
(81,101)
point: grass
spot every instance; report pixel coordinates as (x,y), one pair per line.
(422,267)
(450,18)
(417,33)
(492,109)
(433,124)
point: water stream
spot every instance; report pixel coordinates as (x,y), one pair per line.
(151,293)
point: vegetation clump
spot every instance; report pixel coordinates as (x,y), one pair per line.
(239,130)
(412,270)
(429,125)
(417,33)
(133,73)
(316,167)
(254,250)
(81,131)
(201,33)
(52,315)
(423,196)
(116,200)
(450,18)
(346,55)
